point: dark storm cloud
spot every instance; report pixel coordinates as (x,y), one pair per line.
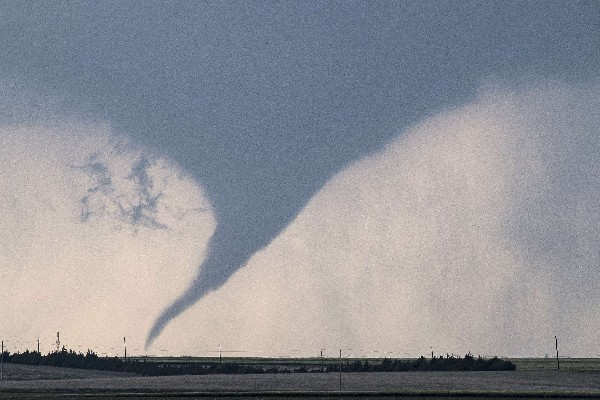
(262,102)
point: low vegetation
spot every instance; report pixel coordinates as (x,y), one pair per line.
(451,363)
(90,360)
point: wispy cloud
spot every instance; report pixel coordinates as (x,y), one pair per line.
(133,200)
(143,210)
(101,187)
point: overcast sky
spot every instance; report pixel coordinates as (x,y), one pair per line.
(301,153)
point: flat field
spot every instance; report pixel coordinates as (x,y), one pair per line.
(33,381)
(19,373)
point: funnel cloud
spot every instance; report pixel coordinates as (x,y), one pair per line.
(263,103)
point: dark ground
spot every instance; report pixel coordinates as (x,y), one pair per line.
(20,380)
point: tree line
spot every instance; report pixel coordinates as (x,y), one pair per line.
(450,363)
(90,360)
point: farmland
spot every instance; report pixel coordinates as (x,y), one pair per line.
(534,377)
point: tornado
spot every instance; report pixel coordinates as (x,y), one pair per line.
(262,103)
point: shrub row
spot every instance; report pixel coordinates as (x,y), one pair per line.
(468,363)
(91,360)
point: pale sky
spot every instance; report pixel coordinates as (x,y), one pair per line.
(280,178)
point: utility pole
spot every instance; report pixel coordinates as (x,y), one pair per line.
(322,369)
(2,363)
(220,355)
(38,345)
(125,345)
(557,361)
(340,370)
(57,342)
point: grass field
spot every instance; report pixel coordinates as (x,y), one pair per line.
(535,378)
(523,364)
